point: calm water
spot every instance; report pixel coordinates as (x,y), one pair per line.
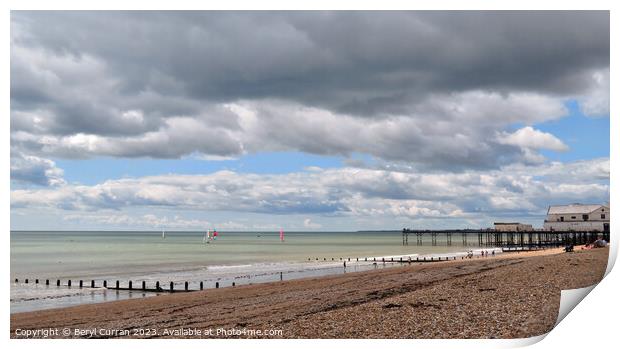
(242,257)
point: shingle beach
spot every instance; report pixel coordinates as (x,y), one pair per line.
(509,296)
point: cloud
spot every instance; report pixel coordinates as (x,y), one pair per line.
(596,101)
(171,84)
(445,143)
(147,220)
(430,97)
(308,223)
(530,138)
(35,170)
(346,192)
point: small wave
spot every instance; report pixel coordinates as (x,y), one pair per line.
(228,267)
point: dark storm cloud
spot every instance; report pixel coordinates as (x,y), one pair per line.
(334,59)
(434,88)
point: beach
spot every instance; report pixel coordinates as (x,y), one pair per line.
(510,296)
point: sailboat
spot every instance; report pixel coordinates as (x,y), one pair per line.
(281,235)
(163,234)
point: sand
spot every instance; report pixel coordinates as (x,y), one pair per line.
(509,296)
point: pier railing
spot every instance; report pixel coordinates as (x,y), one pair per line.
(509,239)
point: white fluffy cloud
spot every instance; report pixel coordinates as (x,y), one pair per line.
(34,170)
(147,220)
(595,102)
(530,138)
(308,223)
(339,192)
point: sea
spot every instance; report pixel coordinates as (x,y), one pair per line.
(188,256)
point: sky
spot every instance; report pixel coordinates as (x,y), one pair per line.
(305,121)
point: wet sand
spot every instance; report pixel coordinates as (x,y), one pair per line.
(509,296)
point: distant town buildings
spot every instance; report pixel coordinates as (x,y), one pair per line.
(501,226)
(577,217)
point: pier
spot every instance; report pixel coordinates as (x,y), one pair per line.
(508,241)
